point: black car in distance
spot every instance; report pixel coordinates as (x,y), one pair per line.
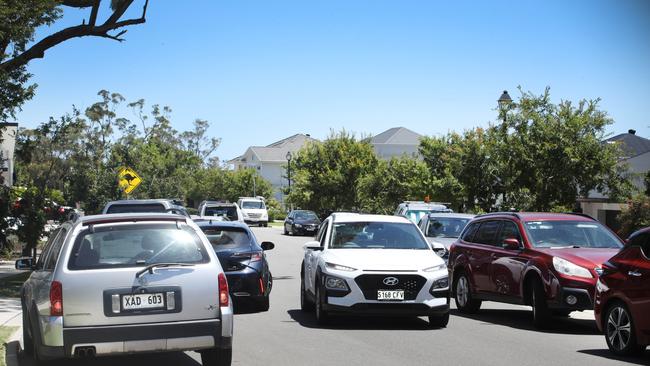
(244,262)
(301,222)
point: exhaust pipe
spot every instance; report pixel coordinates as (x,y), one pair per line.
(85,352)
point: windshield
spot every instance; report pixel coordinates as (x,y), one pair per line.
(253,204)
(136,245)
(376,235)
(229,212)
(226,237)
(570,234)
(446,227)
(306,215)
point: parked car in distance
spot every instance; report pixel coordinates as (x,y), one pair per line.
(550,261)
(442,229)
(373,265)
(415,210)
(244,262)
(623,297)
(226,210)
(153,205)
(127,283)
(254,210)
(301,222)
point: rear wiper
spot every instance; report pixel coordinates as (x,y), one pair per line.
(150,267)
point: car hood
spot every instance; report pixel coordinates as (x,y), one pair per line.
(446,242)
(585,257)
(383,259)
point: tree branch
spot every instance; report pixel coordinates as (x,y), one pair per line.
(93,13)
(83,30)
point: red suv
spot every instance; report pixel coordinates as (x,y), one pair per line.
(623,297)
(547,260)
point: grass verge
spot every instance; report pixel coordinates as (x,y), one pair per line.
(10,286)
(276,223)
(5,333)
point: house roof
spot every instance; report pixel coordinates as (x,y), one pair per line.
(397,136)
(277,151)
(631,144)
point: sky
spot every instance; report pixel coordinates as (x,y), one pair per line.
(260,71)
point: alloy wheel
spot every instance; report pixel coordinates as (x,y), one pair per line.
(619,328)
(462,291)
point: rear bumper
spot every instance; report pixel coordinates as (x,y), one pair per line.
(163,337)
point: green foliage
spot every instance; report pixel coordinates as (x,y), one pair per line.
(275,210)
(325,175)
(646,181)
(636,216)
(217,184)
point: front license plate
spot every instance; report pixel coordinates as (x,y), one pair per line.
(390,295)
(142,301)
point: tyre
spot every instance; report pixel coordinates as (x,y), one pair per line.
(216,357)
(285,230)
(463,295)
(305,304)
(322,317)
(541,313)
(619,331)
(264,305)
(561,313)
(266,224)
(439,321)
(28,342)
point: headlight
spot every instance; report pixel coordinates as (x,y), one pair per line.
(570,269)
(441,283)
(297,225)
(339,267)
(435,268)
(244,214)
(335,283)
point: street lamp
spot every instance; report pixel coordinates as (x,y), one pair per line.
(289,156)
(504,103)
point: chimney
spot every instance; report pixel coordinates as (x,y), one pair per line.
(308,135)
(631,132)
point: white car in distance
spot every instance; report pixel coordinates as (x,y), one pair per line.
(254,210)
(373,265)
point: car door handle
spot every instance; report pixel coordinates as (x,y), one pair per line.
(634,273)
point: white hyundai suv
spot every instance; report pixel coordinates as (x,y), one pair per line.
(373,265)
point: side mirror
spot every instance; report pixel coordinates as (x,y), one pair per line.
(267,245)
(25,263)
(511,244)
(312,245)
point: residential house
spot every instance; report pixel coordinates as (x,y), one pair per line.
(271,160)
(636,151)
(7,143)
(396,142)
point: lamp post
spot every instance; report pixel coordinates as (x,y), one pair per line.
(504,103)
(289,156)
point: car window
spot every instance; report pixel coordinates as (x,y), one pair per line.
(569,234)
(305,215)
(136,245)
(252,205)
(127,208)
(46,249)
(53,255)
(643,241)
(508,230)
(487,232)
(227,237)
(468,235)
(229,212)
(321,233)
(445,227)
(376,235)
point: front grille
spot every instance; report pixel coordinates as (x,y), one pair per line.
(254,215)
(370,283)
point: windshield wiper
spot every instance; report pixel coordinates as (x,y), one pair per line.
(150,267)
(566,246)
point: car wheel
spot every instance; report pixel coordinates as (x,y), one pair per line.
(28,342)
(463,295)
(541,313)
(265,304)
(321,315)
(305,304)
(266,224)
(285,230)
(561,313)
(619,331)
(216,357)
(439,321)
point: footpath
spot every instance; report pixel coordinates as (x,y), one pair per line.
(11,316)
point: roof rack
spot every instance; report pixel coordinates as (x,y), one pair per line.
(580,214)
(507,213)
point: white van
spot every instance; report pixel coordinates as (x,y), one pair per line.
(254,210)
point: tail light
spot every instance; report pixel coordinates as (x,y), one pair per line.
(223,290)
(56,299)
(253,256)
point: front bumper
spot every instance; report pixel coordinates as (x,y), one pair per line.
(256,221)
(138,338)
(564,290)
(391,309)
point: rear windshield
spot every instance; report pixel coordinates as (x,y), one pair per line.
(446,227)
(570,234)
(229,212)
(221,237)
(136,245)
(252,204)
(376,235)
(133,207)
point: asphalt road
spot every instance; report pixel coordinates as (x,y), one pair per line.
(499,334)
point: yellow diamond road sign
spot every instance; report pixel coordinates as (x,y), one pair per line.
(129,179)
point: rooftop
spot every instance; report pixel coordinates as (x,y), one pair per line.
(631,144)
(397,136)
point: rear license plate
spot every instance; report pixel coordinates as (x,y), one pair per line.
(390,295)
(143,301)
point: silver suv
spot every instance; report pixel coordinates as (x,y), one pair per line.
(127,283)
